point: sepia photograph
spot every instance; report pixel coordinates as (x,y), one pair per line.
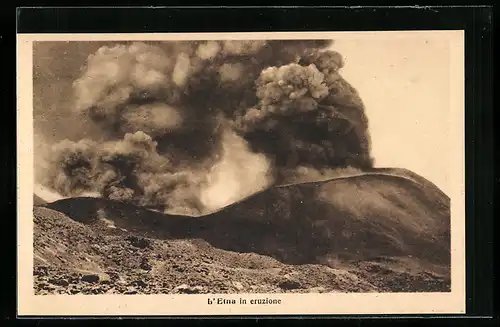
(242,169)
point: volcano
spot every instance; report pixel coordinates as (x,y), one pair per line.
(382,230)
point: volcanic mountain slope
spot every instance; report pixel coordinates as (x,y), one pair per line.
(380,231)
(38,200)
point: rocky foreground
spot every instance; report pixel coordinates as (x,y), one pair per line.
(378,234)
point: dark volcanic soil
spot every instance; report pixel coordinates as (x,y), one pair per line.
(388,236)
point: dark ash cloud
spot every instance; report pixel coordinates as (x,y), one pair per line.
(193,126)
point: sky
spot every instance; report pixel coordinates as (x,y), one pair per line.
(404,84)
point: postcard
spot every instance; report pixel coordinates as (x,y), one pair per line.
(241,173)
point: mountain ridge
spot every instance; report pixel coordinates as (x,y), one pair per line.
(366,219)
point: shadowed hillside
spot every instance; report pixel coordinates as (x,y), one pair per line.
(390,218)
(354,216)
(38,200)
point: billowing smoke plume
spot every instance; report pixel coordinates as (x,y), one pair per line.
(193,126)
(307,114)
